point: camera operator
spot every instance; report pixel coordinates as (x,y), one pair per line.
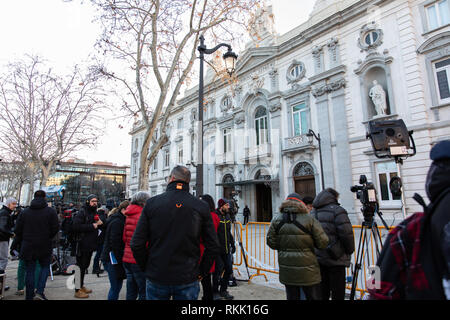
(336,257)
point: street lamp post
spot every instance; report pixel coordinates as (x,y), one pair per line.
(230,63)
(310,136)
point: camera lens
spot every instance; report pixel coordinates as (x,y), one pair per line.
(390,132)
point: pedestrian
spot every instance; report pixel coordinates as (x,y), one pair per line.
(86,229)
(171,225)
(207,280)
(295,234)
(415,260)
(21,270)
(246,214)
(113,248)
(102,215)
(136,285)
(336,257)
(308,201)
(6,232)
(35,228)
(224,265)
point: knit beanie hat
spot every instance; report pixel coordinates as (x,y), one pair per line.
(295,197)
(221,203)
(90,197)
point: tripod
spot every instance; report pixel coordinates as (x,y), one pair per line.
(369,225)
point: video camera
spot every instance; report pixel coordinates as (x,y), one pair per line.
(367,194)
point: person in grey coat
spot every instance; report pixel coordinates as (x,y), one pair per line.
(336,257)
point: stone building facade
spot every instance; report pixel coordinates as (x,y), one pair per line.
(318,76)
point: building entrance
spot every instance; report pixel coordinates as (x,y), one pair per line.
(263,203)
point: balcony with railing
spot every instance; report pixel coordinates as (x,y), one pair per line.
(297,143)
(225,158)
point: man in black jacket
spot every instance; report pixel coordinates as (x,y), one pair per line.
(166,242)
(224,264)
(246,214)
(36,227)
(6,232)
(336,257)
(85,226)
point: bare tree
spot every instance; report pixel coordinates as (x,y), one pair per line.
(155,42)
(45,117)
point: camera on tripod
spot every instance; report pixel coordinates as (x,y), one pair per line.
(367,194)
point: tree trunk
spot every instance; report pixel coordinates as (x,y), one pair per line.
(147,161)
(44,176)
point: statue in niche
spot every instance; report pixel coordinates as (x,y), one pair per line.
(378,96)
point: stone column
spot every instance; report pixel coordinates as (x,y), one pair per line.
(321,94)
(343,161)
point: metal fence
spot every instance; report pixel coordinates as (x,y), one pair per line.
(262,259)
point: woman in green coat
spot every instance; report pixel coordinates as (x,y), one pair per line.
(295,234)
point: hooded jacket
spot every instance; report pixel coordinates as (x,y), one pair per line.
(415,258)
(6,224)
(296,258)
(83,223)
(133,213)
(437,227)
(172,225)
(35,229)
(337,225)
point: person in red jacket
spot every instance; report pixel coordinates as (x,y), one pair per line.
(136,281)
(207,281)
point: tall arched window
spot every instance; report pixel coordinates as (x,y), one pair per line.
(262,134)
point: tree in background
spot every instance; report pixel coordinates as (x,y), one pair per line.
(44,116)
(149,47)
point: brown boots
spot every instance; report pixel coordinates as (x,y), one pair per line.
(82,293)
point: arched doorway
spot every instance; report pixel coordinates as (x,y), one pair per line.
(304,181)
(228,189)
(263,196)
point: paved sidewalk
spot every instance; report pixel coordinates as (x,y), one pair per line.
(57,289)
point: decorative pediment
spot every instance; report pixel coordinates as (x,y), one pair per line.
(253,57)
(437,42)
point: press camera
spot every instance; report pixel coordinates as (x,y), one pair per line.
(367,194)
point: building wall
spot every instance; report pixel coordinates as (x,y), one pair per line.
(335,90)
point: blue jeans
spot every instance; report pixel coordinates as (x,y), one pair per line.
(180,292)
(116,284)
(30,266)
(135,281)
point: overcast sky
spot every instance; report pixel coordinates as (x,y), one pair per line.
(63,33)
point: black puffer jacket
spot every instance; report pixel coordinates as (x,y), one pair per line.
(337,226)
(35,229)
(172,224)
(113,237)
(83,224)
(6,224)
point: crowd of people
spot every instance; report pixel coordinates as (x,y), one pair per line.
(166,246)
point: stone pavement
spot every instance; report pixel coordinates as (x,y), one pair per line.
(57,289)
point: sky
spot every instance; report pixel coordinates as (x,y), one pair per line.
(63,33)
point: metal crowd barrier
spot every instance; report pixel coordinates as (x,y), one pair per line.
(262,259)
